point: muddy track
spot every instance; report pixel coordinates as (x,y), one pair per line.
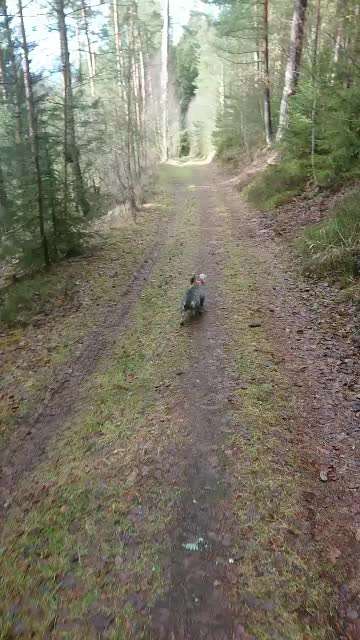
(195,607)
(65,395)
(208,593)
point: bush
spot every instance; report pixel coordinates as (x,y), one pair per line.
(278,184)
(332,248)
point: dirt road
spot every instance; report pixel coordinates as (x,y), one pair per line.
(196,487)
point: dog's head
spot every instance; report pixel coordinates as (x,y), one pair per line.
(202,278)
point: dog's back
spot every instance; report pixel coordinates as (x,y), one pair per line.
(194,299)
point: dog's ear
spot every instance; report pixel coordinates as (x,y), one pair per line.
(193,279)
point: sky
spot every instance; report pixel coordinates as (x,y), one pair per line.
(180,12)
(45,55)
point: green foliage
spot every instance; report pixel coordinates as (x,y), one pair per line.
(185,143)
(337,129)
(339,135)
(24,299)
(278,184)
(187,66)
(332,248)
(105,175)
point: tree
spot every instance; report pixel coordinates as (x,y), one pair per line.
(34,137)
(165,78)
(71,150)
(267,101)
(292,72)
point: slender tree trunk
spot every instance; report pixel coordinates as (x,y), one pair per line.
(51,197)
(131,118)
(33,136)
(4,202)
(315,86)
(89,52)
(257,30)
(267,97)
(338,33)
(142,99)
(119,65)
(79,75)
(165,80)
(293,64)
(71,150)
(3,83)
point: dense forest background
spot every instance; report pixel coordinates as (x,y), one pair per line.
(83,137)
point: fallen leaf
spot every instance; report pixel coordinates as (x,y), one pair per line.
(324,475)
(334,554)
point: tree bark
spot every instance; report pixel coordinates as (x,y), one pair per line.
(33,136)
(293,65)
(315,86)
(4,201)
(117,37)
(267,97)
(71,151)
(89,52)
(165,81)
(3,83)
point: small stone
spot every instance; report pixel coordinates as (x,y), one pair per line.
(19,629)
(101,621)
(334,554)
(323,475)
(352,614)
(68,582)
(226,541)
(240,633)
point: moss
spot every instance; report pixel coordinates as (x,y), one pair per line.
(278,184)
(83,498)
(332,248)
(281,571)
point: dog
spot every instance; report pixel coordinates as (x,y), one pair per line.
(193,303)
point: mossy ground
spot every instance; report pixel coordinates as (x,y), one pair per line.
(280,564)
(86,505)
(278,184)
(46,317)
(90,528)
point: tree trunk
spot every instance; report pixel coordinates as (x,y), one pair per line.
(165,81)
(293,64)
(4,202)
(315,86)
(89,52)
(267,98)
(3,84)
(33,136)
(79,75)
(71,151)
(119,62)
(51,191)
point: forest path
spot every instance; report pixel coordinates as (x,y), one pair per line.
(181,499)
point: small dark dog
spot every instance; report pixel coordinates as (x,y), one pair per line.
(194,300)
